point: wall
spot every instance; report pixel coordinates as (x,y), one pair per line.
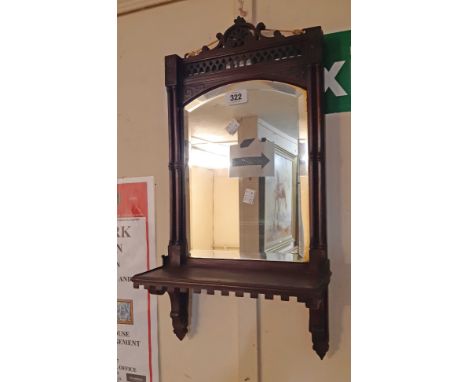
(225,210)
(201,211)
(232,339)
(214,206)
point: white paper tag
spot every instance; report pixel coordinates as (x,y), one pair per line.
(232,127)
(249,196)
(236,97)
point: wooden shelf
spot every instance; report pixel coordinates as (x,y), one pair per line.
(308,284)
(303,285)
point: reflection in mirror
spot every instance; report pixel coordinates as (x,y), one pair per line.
(248,178)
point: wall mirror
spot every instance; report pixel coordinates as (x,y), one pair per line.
(247,174)
(248,179)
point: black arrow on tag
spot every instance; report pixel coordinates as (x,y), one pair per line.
(246,142)
(251,161)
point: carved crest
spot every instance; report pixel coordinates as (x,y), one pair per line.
(240,33)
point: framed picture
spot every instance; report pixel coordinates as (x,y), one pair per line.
(125,312)
(279,203)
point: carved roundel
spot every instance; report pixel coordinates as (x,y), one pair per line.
(237,36)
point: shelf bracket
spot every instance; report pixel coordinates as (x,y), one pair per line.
(318,326)
(179,311)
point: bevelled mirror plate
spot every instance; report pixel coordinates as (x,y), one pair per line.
(248,180)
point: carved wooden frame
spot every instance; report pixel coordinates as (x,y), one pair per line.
(244,53)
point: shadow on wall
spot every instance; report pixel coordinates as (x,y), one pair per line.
(194,303)
(339,222)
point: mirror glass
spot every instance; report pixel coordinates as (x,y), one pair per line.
(248,179)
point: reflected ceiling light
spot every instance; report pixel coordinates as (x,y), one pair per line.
(206,159)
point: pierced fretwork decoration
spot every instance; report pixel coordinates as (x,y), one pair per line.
(237,61)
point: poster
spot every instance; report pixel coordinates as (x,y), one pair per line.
(137,345)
